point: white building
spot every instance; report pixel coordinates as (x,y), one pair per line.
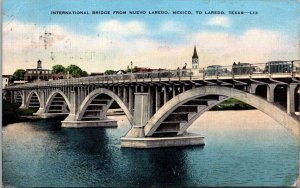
(5,79)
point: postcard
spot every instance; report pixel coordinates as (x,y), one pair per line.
(160,93)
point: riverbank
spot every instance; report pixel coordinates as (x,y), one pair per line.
(12,114)
(232,104)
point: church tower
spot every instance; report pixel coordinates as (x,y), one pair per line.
(39,64)
(195,59)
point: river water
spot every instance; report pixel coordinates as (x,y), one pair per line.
(242,148)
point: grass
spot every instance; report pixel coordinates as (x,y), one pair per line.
(232,104)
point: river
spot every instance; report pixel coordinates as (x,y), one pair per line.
(243,148)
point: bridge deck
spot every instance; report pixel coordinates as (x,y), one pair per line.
(157,78)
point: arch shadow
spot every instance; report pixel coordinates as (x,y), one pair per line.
(89,98)
(279,115)
(29,98)
(52,96)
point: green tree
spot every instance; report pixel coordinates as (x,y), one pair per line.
(109,72)
(18,75)
(84,73)
(58,69)
(76,71)
(135,69)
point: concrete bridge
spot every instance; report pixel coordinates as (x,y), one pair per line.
(161,105)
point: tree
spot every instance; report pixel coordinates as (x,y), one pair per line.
(135,69)
(58,69)
(75,71)
(109,72)
(18,75)
(84,73)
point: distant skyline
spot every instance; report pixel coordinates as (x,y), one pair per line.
(100,42)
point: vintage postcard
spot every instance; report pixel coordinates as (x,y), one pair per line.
(160,93)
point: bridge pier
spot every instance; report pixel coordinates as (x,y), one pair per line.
(135,138)
(270,92)
(252,88)
(72,122)
(41,109)
(291,98)
(23,105)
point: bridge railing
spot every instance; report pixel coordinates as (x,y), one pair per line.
(207,72)
(236,69)
(253,69)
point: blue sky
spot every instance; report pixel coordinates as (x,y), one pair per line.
(275,20)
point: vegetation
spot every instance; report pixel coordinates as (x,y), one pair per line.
(233,104)
(75,71)
(109,72)
(58,69)
(11,112)
(18,75)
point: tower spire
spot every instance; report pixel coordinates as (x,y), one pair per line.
(195,59)
(39,64)
(195,55)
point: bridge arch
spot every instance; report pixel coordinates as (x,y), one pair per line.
(30,95)
(89,98)
(279,115)
(52,96)
(18,98)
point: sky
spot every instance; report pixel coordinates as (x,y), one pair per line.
(98,42)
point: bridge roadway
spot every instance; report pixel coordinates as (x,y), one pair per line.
(160,105)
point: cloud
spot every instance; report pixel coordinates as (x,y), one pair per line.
(172,27)
(222,21)
(253,46)
(116,27)
(25,43)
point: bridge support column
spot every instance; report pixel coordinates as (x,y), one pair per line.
(270,92)
(12,97)
(135,138)
(41,110)
(151,100)
(73,110)
(131,96)
(252,88)
(141,115)
(166,94)
(23,105)
(291,98)
(157,94)
(125,96)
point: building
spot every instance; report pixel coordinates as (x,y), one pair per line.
(59,76)
(5,80)
(38,73)
(195,59)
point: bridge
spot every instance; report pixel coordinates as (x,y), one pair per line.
(162,105)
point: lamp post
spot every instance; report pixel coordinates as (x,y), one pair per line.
(131,67)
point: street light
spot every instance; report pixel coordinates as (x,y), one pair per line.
(131,67)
